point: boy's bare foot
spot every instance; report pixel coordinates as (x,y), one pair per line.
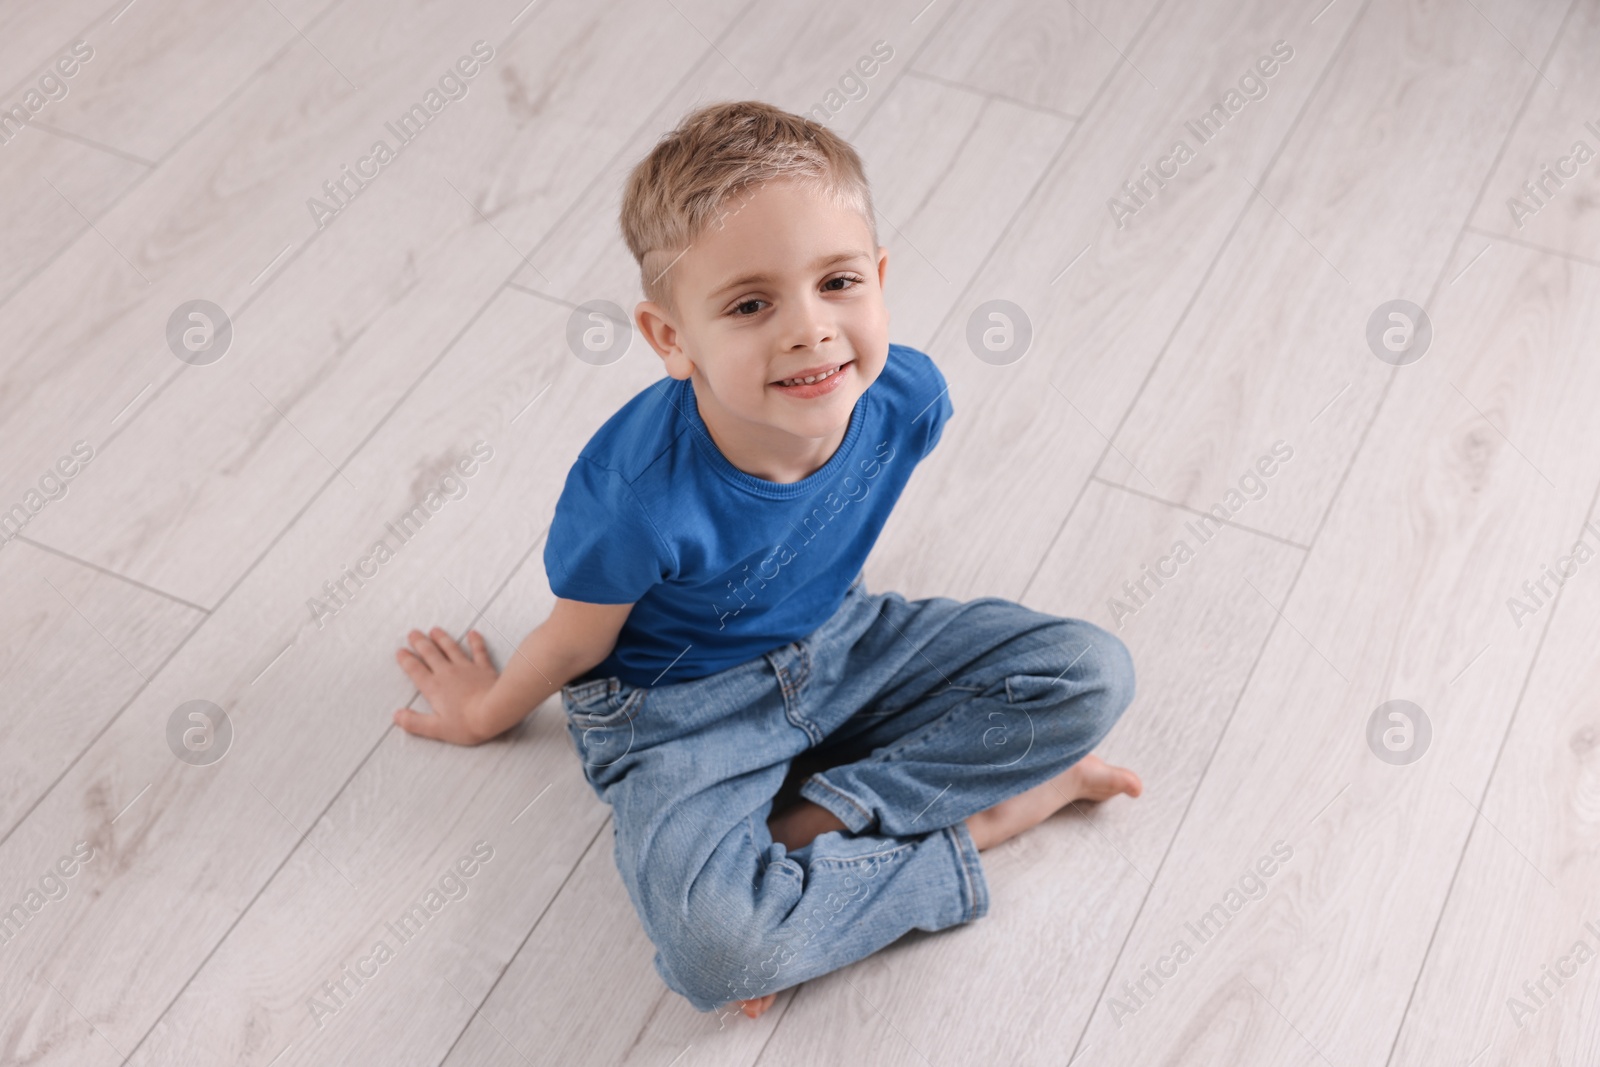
(755,1007)
(1091,778)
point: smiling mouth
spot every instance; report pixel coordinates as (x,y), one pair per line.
(812,379)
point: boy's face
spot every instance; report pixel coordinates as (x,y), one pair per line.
(783,283)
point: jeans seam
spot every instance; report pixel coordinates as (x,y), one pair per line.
(627,712)
(585,692)
(977,903)
(873,857)
(866,816)
(791,693)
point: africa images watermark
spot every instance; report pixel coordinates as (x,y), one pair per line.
(1137,995)
(1539,191)
(1566,566)
(454,85)
(1142,189)
(1254,486)
(852,83)
(812,525)
(52,88)
(406,527)
(819,916)
(53,486)
(452,886)
(51,889)
(1538,991)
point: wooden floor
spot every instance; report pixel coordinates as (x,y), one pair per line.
(1438,911)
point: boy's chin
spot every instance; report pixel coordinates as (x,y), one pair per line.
(819,419)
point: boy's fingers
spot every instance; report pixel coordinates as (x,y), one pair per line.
(414,722)
(480,651)
(424,647)
(415,669)
(448,645)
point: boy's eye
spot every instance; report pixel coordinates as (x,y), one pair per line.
(744,309)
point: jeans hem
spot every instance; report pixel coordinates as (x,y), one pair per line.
(974,885)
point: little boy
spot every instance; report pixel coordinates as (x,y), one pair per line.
(712,639)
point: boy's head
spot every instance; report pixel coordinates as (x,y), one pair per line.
(753,229)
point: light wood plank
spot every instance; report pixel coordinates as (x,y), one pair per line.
(358,310)
(310,706)
(1523,896)
(1047,55)
(1102,301)
(1562,214)
(221,898)
(78,644)
(150,78)
(1441,519)
(33,36)
(65,185)
(162,67)
(942,201)
(1281,327)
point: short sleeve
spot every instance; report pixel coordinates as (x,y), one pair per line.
(602,547)
(938,410)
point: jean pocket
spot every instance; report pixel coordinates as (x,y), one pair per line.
(602,702)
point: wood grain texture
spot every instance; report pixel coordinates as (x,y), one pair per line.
(77,645)
(943,201)
(1048,55)
(221,902)
(163,66)
(1403,597)
(57,188)
(149,81)
(1103,301)
(326,350)
(1522,897)
(1281,327)
(1560,213)
(32,37)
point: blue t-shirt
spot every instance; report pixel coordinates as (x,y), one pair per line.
(722,566)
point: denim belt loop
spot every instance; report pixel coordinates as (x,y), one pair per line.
(585,692)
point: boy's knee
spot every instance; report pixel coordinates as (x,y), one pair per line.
(1085,668)
(1114,664)
(718,960)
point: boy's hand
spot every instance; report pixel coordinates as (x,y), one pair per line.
(454,683)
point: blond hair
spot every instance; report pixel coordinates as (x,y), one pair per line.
(718,150)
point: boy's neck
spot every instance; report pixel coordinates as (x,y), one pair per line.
(763,451)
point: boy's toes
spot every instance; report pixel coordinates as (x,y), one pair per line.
(755,1007)
(1098,780)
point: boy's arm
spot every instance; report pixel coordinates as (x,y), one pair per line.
(471,704)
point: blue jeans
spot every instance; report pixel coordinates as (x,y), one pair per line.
(925,712)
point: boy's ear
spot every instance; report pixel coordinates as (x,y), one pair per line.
(883,265)
(656,326)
